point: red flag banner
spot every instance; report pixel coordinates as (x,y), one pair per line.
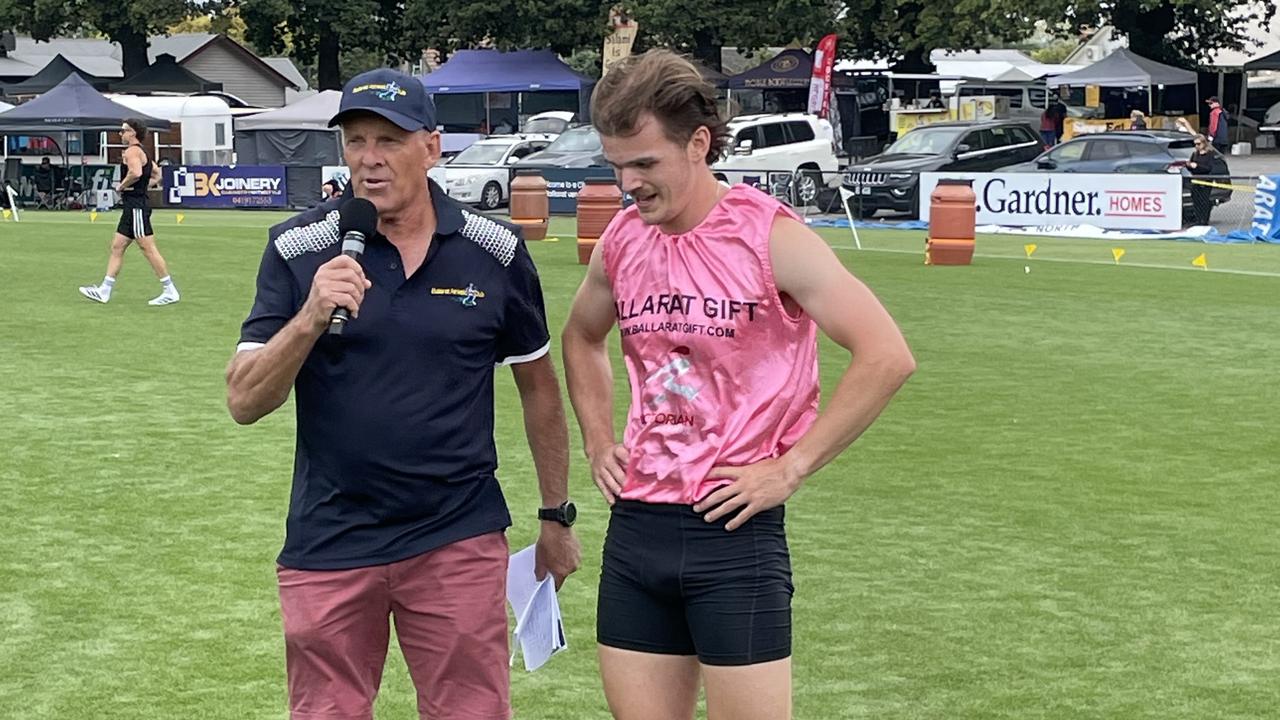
(824,59)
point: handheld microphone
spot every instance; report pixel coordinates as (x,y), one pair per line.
(357,221)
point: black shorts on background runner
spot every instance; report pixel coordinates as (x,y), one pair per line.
(674,584)
(135,221)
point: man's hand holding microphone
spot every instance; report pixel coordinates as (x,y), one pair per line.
(338,288)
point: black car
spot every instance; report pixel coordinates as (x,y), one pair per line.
(891,181)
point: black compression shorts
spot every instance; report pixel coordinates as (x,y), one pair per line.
(674,584)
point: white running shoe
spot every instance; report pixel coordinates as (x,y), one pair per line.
(93,292)
(168,297)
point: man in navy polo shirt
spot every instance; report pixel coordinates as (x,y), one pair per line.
(396,511)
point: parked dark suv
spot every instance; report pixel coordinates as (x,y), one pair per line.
(891,181)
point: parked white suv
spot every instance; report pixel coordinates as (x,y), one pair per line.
(767,149)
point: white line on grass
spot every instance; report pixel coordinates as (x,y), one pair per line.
(1152,266)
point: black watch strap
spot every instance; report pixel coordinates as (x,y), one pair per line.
(565,513)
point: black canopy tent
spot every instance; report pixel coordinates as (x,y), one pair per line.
(165,75)
(297,137)
(50,76)
(73,107)
(1266,62)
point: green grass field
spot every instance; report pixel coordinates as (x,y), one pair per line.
(1069,512)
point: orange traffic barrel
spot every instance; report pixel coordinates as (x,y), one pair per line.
(599,200)
(952,219)
(530,207)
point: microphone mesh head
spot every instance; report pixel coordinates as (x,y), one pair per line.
(359,215)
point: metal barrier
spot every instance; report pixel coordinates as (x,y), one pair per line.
(1229,204)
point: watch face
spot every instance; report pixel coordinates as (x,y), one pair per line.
(570,513)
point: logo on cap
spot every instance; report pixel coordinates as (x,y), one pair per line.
(386,91)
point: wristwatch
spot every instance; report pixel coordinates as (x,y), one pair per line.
(564,513)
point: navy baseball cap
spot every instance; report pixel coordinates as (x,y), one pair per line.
(390,94)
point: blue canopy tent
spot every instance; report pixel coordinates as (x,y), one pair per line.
(538,74)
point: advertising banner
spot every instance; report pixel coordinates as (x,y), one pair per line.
(617,44)
(564,184)
(1266,213)
(1113,202)
(824,60)
(225,186)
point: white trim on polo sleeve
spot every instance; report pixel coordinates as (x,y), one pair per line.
(517,359)
(242,347)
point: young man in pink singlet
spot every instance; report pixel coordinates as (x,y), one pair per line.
(718,293)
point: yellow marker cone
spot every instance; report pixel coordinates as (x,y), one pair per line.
(1117,253)
(1030,248)
(550,239)
(1201,261)
(181,217)
(7,213)
(93,216)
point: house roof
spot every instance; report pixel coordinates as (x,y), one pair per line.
(1015,58)
(102,58)
(92,55)
(14,67)
(186,46)
(179,46)
(285,67)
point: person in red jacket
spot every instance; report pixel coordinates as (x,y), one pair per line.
(1217,125)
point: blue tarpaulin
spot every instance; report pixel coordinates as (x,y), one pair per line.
(475,71)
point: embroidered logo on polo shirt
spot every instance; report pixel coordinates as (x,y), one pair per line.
(467,296)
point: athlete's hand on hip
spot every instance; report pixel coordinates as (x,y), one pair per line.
(337,283)
(755,488)
(557,552)
(609,470)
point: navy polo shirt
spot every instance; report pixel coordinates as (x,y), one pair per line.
(395,453)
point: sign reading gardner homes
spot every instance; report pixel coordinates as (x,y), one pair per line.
(1112,202)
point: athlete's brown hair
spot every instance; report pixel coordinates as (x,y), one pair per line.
(668,87)
(139,128)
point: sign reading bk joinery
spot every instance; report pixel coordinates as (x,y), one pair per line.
(218,186)
(1113,202)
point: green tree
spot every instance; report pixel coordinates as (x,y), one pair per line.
(905,31)
(1179,32)
(702,27)
(215,19)
(564,26)
(316,32)
(128,23)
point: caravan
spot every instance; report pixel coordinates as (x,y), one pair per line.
(200,134)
